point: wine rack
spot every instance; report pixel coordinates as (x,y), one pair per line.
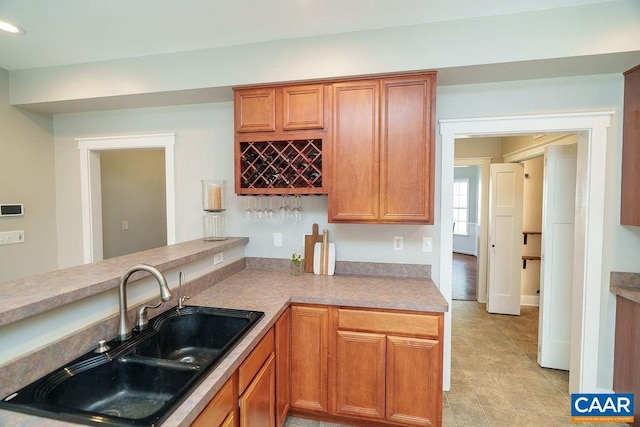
(266,166)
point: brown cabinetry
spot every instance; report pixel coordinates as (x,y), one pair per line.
(283,366)
(626,372)
(360,374)
(221,411)
(382,375)
(257,385)
(280,138)
(309,358)
(382,161)
(630,203)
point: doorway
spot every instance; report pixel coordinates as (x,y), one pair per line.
(586,297)
(467,195)
(90,149)
(133,194)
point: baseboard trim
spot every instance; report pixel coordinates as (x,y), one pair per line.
(530,300)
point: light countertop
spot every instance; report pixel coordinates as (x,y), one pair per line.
(272,292)
(626,285)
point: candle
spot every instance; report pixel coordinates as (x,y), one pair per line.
(215,198)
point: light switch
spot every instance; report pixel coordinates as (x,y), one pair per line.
(11,237)
(277,239)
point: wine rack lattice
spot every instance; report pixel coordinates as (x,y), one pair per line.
(281,164)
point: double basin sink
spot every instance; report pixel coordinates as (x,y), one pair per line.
(142,380)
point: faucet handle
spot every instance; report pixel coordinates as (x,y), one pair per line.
(142,320)
(181,301)
(181,283)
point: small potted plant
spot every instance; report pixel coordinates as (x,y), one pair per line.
(296,264)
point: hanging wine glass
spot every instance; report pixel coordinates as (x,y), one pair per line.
(296,211)
(269,212)
(248,212)
(285,209)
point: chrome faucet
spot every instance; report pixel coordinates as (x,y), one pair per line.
(124,331)
(181,298)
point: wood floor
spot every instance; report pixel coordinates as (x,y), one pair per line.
(465,277)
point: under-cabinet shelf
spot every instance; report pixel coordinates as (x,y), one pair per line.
(280,167)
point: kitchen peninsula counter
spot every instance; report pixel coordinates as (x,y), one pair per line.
(272,292)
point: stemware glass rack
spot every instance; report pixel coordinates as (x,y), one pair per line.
(273,167)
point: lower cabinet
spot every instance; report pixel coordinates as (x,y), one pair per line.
(381,366)
(257,404)
(360,374)
(309,358)
(222,410)
(257,385)
(283,366)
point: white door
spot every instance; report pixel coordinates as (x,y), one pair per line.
(556,268)
(505,238)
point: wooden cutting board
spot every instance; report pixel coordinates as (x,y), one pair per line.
(309,243)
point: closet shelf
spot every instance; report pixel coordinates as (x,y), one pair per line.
(527,233)
(526,258)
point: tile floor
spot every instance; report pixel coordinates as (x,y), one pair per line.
(495,380)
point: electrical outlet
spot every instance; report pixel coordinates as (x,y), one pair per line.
(125,225)
(218,258)
(398,243)
(427,244)
(277,239)
(11,237)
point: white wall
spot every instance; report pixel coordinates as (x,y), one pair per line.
(26,176)
(204,150)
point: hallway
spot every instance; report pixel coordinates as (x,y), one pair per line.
(465,277)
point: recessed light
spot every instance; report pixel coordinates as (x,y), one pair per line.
(11,29)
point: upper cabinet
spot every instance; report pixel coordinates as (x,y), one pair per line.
(630,203)
(279,109)
(367,143)
(280,139)
(382,162)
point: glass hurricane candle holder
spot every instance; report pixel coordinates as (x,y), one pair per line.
(214,195)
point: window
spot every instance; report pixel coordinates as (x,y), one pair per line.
(461,206)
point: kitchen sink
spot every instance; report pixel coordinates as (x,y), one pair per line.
(195,336)
(142,380)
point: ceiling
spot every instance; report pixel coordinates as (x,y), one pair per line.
(61,32)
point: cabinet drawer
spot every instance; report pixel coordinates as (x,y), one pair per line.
(385,322)
(220,408)
(256,359)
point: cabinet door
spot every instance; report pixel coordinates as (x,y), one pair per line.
(629,201)
(303,107)
(309,358)
(255,110)
(360,374)
(407,150)
(230,421)
(283,366)
(257,404)
(355,183)
(221,407)
(414,381)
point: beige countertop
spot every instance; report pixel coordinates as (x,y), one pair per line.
(626,285)
(68,285)
(272,292)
